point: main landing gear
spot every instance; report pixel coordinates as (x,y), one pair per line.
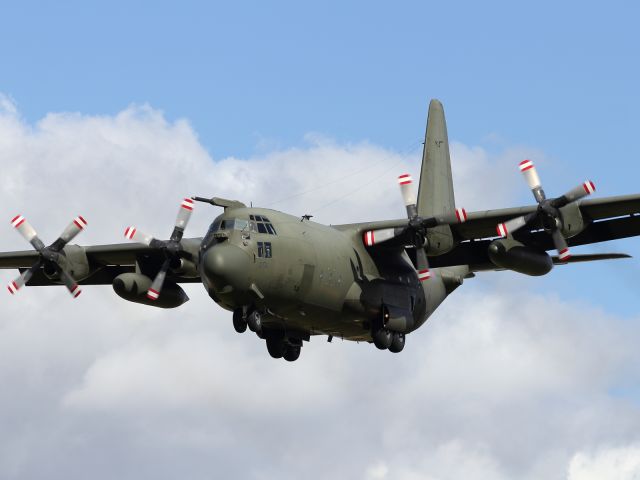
(387,340)
(278,344)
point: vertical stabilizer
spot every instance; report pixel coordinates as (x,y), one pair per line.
(435,193)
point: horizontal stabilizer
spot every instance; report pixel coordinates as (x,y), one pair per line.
(590,258)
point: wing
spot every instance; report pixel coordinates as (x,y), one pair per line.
(605,219)
(483,224)
(105,262)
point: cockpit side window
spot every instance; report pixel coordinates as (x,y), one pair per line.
(215,226)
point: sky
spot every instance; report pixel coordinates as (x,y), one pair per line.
(117,110)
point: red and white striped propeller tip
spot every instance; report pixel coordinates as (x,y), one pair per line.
(564,254)
(80,222)
(502,230)
(404,179)
(13,287)
(424,275)
(17,221)
(589,187)
(129,232)
(461,215)
(526,165)
(75,291)
(187,204)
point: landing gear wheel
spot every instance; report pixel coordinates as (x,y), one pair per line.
(291,353)
(276,346)
(382,338)
(254,320)
(239,323)
(397,342)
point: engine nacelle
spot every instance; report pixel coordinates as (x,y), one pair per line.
(185,268)
(74,260)
(572,221)
(134,286)
(513,255)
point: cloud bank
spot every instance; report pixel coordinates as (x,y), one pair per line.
(497,385)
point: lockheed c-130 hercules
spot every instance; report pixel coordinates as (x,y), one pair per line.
(287,278)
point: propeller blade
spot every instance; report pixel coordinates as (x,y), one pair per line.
(25,229)
(132,233)
(156,287)
(530,173)
(561,245)
(373,237)
(459,215)
(69,282)
(22,280)
(408,195)
(184,214)
(575,194)
(506,228)
(73,229)
(422,265)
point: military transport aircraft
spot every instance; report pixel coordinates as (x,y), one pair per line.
(287,278)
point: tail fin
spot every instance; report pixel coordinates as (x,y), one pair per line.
(435,193)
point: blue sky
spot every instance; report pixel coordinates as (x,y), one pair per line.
(253,80)
(558,75)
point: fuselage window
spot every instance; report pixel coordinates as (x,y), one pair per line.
(264,249)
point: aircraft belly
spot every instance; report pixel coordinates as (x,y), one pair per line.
(309,285)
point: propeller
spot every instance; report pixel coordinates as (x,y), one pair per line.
(50,256)
(419,225)
(419,236)
(170,248)
(548,211)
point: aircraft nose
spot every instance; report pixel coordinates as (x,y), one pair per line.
(226,265)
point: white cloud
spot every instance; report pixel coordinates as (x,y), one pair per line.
(610,463)
(496,385)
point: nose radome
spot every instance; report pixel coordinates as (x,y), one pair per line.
(227,264)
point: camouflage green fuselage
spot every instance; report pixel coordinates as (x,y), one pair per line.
(311,278)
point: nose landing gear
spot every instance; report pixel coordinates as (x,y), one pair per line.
(239,320)
(254,320)
(242,320)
